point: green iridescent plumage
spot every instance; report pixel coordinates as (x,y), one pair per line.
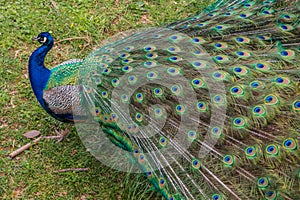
(65,73)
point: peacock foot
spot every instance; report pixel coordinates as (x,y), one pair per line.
(60,135)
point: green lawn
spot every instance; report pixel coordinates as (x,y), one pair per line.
(78,27)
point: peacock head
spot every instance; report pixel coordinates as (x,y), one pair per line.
(44,38)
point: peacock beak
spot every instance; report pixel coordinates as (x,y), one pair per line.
(35,38)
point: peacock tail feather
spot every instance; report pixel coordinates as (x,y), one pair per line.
(206,108)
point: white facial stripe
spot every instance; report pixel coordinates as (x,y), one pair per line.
(44,39)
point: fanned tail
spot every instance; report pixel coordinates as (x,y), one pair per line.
(207,107)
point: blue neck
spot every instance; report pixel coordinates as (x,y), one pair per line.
(38,73)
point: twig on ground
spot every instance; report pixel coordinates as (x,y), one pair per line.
(72,170)
(52,137)
(87,38)
(23,148)
(69,39)
(86,45)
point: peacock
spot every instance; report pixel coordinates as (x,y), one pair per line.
(205,108)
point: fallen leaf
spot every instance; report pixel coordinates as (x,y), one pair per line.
(32,134)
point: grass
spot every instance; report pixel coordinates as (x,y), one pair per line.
(78,26)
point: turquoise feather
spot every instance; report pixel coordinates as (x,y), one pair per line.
(240,59)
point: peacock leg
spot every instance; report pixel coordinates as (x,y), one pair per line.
(60,135)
